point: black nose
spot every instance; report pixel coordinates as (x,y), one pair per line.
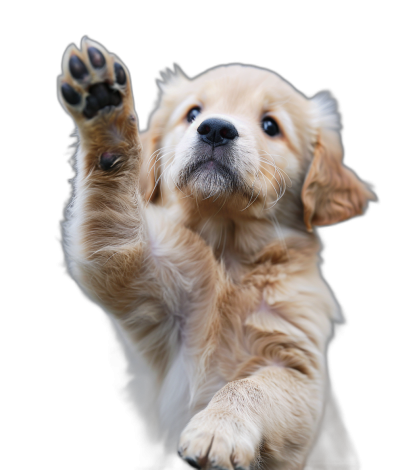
(217,132)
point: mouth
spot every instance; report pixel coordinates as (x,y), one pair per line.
(205,170)
(210,165)
(209,175)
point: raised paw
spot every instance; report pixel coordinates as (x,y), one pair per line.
(219,441)
(93,82)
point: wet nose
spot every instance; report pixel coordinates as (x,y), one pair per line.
(217,131)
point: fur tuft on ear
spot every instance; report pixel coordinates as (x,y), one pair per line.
(170,77)
(331,192)
(325,111)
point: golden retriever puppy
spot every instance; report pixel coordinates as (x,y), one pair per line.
(197,235)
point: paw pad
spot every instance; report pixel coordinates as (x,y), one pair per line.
(92,80)
(100,96)
(107,160)
(77,68)
(69,94)
(96,58)
(120,74)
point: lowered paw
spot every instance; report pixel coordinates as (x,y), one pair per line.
(219,441)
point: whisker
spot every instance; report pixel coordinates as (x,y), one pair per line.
(158,179)
(252,191)
(266,191)
(157,156)
(254,181)
(272,154)
(282,188)
(278,169)
(171,154)
(159,150)
(273,177)
(278,175)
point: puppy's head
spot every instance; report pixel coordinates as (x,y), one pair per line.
(239,137)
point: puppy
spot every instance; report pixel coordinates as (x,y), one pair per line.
(197,236)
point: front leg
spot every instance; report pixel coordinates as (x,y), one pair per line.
(103,236)
(132,259)
(265,421)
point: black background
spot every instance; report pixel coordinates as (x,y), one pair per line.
(72,368)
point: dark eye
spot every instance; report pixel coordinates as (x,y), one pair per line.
(270,126)
(192,114)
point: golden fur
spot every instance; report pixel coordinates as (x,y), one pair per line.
(216,279)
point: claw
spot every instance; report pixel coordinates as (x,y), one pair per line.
(192,463)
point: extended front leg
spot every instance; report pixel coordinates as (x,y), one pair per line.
(132,259)
(266,421)
(103,232)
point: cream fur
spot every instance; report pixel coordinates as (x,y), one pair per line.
(216,278)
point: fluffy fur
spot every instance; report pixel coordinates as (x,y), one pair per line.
(207,256)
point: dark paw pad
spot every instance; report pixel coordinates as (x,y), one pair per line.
(69,94)
(96,58)
(115,98)
(92,106)
(101,95)
(77,68)
(120,75)
(107,160)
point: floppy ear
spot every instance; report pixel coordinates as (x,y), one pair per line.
(331,192)
(169,85)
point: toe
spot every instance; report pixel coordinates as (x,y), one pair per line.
(120,75)
(76,71)
(96,57)
(99,61)
(77,68)
(70,95)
